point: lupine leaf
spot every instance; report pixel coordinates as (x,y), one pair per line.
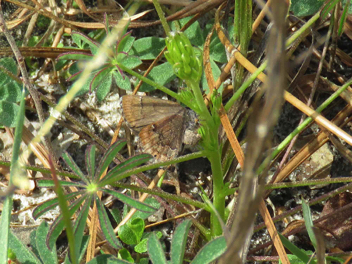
(80,223)
(58,225)
(73,166)
(46,255)
(90,161)
(130,201)
(52,203)
(93,45)
(105,225)
(128,164)
(75,56)
(50,183)
(109,155)
(179,240)
(211,251)
(156,252)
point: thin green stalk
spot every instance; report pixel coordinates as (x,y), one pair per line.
(204,113)
(304,124)
(154,84)
(252,78)
(245,85)
(162,17)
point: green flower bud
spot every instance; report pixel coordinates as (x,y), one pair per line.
(187,63)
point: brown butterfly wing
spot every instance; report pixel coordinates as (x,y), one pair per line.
(141,111)
(163,139)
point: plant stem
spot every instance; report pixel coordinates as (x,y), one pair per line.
(213,155)
(162,17)
(218,188)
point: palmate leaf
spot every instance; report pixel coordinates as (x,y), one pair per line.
(178,244)
(52,203)
(73,166)
(130,201)
(58,224)
(125,166)
(108,157)
(105,225)
(90,161)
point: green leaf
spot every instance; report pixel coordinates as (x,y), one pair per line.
(294,259)
(93,45)
(73,166)
(90,161)
(81,224)
(50,183)
(23,254)
(179,240)
(121,80)
(161,74)
(75,55)
(131,232)
(194,32)
(130,201)
(100,77)
(294,250)
(46,255)
(104,87)
(131,62)
(128,164)
(84,245)
(211,251)
(151,201)
(58,225)
(10,91)
(155,251)
(107,259)
(306,7)
(105,224)
(125,255)
(15,171)
(147,48)
(126,43)
(51,204)
(109,155)
(33,241)
(8,114)
(308,221)
(10,64)
(141,247)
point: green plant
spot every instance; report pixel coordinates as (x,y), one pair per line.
(210,252)
(101,79)
(10,92)
(300,256)
(88,187)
